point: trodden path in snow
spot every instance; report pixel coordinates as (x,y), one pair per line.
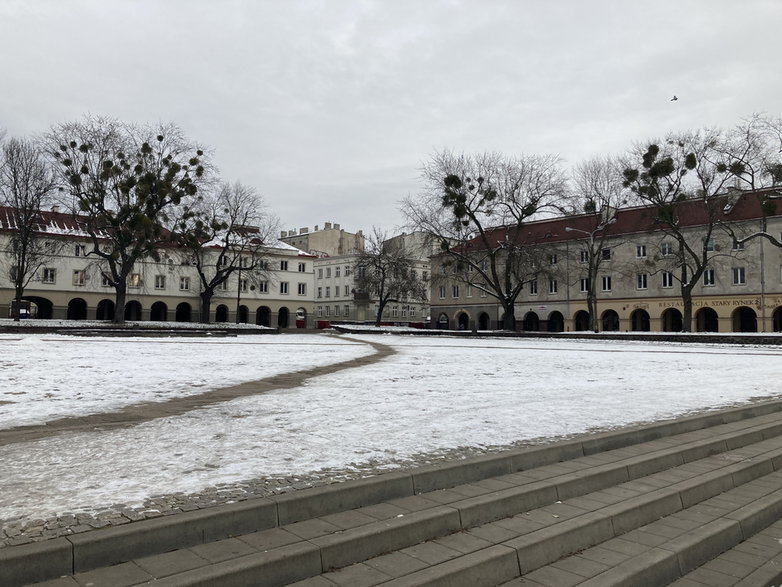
(143,412)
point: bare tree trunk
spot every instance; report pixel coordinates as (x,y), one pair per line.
(119,306)
(687,309)
(206,306)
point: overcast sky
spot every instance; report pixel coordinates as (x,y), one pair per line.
(329,108)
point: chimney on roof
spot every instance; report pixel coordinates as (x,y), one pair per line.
(327,226)
(283,233)
(336,227)
(55,208)
(304,230)
(316,228)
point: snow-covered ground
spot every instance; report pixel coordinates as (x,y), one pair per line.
(435,394)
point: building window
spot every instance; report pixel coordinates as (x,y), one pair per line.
(347,270)
(412,311)
(533,287)
(336,271)
(395,312)
(584,256)
(302,289)
(320,273)
(49,275)
(404,311)
(320,292)
(242,285)
(263,287)
(455,291)
(79,277)
(468,291)
(640,251)
(605,254)
(328,311)
(81,251)
(552,286)
(184,283)
(160,282)
(347,290)
(553,259)
(283,287)
(708,277)
(283,265)
(346,310)
(708,245)
(606,283)
(738,246)
(328,292)
(336,310)
(584,284)
(320,311)
(424,275)
(739,276)
(442,292)
(223,285)
(667,279)
(641,280)
(302,267)
(105,279)
(328,272)
(484,293)
(666,249)
(134,280)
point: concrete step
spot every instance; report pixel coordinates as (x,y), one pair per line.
(291,537)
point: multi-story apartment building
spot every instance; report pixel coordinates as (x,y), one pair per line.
(637,286)
(70,282)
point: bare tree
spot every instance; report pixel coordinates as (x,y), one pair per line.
(597,194)
(385,271)
(680,179)
(227,231)
(26,183)
(476,206)
(124,182)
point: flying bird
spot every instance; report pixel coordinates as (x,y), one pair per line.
(674,99)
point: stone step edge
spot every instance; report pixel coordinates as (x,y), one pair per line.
(657,566)
(107,546)
(359,544)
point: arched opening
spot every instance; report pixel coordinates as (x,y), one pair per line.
(671,320)
(184,312)
(531,322)
(263,316)
(105,310)
(610,321)
(556,322)
(640,321)
(777,319)
(484,322)
(158,312)
(463,320)
(745,320)
(283,317)
(243,316)
(301,318)
(133,311)
(442,322)
(77,309)
(706,320)
(45,309)
(221,313)
(581,321)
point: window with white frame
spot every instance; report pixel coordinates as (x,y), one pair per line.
(606,283)
(160,282)
(320,273)
(552,286)
(302,267)
(640,251)
(336,310)
(708,277)
(737,246)
(243,285)
(79,277)
(468,290)
(442,292)
(301,289)
(283,287)
(105,279)
(320,292)
(708,244)
(583,284)
(412,311)
(552,259)
(320,311)
(49,275)
(346,310)
(533,287)
(483,293)
(283,265)
(641,280)
(347,270)
(328,272)
(223,286)
(263,287)
(667,279)
(328,291)
(347,291)
(583,256)
(184,283)
(666,249)
(80,251)
(455,291)
(739,276)
(336,271)
(395,312)
(328,311)
(134,280)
